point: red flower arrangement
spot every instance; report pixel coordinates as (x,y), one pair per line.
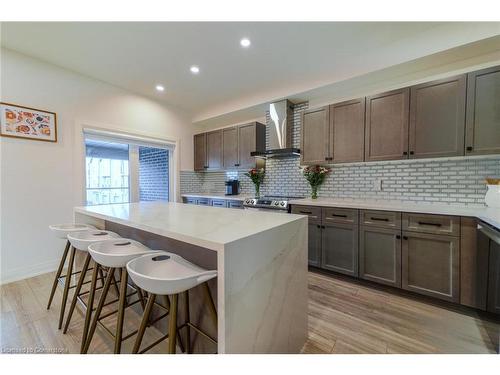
(257,177)
(315,175)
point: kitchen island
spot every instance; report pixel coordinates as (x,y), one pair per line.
(261,259)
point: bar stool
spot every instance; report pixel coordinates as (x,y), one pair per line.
(80,241)
(169,274)
(113,254)
(62,231)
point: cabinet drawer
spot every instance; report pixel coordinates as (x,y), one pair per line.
(384,219)
(234,204)
(218,203)
(426,223)
(313,212)
(203,201)
(340,215)
(190,200)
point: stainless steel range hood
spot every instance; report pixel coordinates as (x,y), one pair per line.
(279,132)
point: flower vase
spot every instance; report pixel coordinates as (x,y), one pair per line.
(314,192)
(257,191)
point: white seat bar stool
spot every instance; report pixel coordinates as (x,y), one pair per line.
(62,231)
(81,241)
(113,254)
(168,274)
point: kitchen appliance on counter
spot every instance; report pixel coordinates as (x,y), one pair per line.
(275,203)
(232,187)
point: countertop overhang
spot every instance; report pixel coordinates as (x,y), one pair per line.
(209,227)
(487,214)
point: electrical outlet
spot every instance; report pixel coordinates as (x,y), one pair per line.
(377,184)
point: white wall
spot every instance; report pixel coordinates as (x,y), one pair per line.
(41,181)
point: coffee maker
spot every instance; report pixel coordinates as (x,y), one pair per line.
(232,187)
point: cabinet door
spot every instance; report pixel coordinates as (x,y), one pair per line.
(473,265)
(347,131)
(214,150)
(200,152)
(340,248)
(483,112)
(386,134)
(247,143)
(494,276)
(230,148)
(380,255)
(430,265)
(437,118)
(314,139)
(314,250)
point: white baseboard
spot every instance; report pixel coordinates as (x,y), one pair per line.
(21,273)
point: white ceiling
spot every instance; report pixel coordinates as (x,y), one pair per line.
(284,58)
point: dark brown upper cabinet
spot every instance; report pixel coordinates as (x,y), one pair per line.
(251,137)
(437,118)
(482,134)
(386,133)
(230,147)
(347,131)
(214,150)
(314,148)
(200,152)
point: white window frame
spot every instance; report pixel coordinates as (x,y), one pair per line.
(134,141)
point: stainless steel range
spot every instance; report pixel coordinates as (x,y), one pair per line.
(278,203)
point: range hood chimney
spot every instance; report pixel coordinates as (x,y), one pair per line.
(279,132)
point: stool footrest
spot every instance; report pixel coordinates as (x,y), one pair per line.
(197,329)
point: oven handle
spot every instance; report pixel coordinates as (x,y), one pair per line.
(489,232)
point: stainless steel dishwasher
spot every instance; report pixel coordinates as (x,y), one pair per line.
(491,238)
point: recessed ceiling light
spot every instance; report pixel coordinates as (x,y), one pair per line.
(194,69)
(160,88)
(245,42)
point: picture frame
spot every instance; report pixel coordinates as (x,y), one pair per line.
(18,121)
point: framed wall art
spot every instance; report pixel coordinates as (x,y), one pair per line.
(25,122)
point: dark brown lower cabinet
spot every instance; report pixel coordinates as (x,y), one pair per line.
(314,252)
(430,265)
(340,248)
(474,252)
(494,279)
(380,255)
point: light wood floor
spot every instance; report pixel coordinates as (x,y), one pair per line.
(344,317)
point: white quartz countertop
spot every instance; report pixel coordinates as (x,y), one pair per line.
(239,197)
(487,214)
(205,226)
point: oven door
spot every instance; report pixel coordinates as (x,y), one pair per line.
(266,210)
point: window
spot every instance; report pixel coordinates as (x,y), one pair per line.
(121,171)
(107,170)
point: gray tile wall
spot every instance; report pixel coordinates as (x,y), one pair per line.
(446,180)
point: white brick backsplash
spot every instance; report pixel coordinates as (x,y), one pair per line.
(448,180)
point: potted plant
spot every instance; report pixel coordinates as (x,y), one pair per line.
(315,175)
(257,176)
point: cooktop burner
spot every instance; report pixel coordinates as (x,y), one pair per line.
(274,202)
